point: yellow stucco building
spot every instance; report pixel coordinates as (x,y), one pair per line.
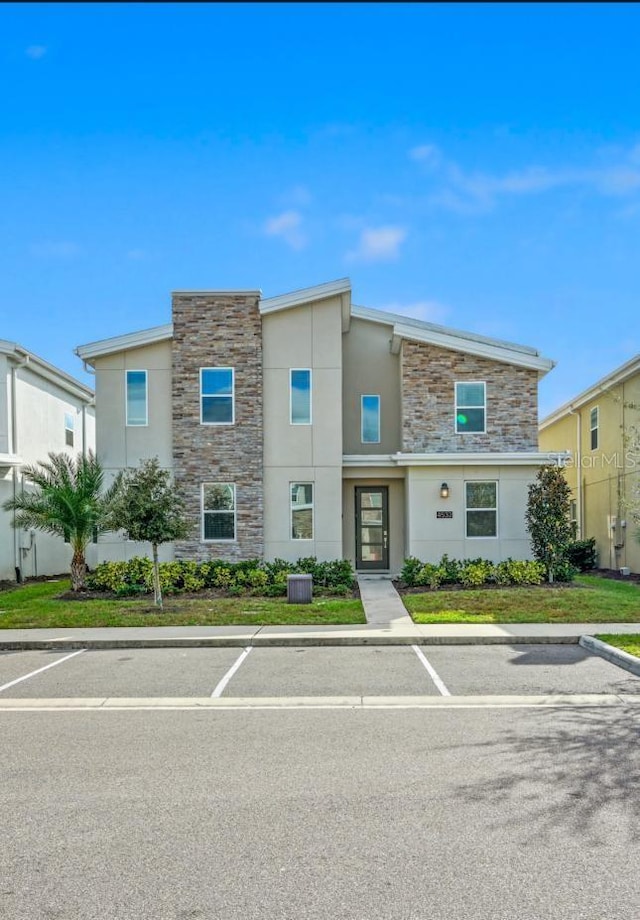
(601,428)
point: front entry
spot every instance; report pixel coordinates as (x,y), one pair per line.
(372,528)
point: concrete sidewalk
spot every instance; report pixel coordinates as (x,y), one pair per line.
(264,636)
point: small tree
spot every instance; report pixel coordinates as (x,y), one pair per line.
(150,509)
(67,500)
(548,519)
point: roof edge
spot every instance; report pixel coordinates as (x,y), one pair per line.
(619,375)
(47,371)
(124,342)
(305,295)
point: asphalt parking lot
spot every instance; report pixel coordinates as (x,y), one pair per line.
(309,672)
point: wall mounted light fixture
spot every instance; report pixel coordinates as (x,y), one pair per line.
(444,490)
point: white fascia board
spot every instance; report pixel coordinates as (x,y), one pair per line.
(416,330)
(479,459)
(124,342)
(40,367)
(368,460)
(212,292)
(620,375)
(306,295)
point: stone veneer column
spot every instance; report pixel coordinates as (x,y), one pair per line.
(219,330)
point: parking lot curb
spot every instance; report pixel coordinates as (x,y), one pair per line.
(285,641)
(615,655)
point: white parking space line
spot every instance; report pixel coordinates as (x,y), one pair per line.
(227,677)
(19,680)
(431,671)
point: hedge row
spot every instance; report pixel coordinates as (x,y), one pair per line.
(471,573)
(252,576)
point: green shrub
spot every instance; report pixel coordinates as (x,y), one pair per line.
(476,572)
(583,554)
(519,572)
(410,571)
(430,575)
(451,569)
(108,576)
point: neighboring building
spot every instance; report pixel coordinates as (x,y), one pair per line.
(601,429)
(303,425)
(42,409)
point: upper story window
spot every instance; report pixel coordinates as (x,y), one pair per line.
(302,511)
(218,511)
(300,396)
(594,425)
(471,407)
(481,509)
(370,419)
(137,398)
(217,396)
(69,425)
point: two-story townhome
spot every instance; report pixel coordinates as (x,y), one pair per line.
(42,409)
(304,425)
(601,428)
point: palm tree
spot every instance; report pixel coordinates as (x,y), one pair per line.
(68,501)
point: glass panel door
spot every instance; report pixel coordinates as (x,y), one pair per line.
(372,528)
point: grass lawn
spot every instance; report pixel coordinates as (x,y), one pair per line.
(629,643)
(593,600)
(37,605)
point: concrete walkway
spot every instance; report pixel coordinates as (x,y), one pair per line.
(381,602)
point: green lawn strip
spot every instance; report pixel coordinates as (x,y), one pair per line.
(38,606)
(628,643)
(593,600)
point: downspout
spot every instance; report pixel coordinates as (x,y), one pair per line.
(85,406)
(578,469)
(14,450)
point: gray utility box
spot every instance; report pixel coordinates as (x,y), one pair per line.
(299,589)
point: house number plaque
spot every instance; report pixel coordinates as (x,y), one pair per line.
(444,515)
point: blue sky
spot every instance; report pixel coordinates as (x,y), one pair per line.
(473,165)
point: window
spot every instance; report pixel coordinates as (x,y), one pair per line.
(300,396)
(302,511)
(470,407)
(216,396)
(594,421)
(481,509)
(218,511)
(136,398)
(68,429)
(370,419)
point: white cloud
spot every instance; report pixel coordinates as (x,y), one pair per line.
(35,52)
(55,249)
(379,244)
(429,311)
(287,226)
(428,154)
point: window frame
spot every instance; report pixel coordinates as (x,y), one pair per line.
(69,429)
(128,423)
(218,396)
(471,482)
(309,371)
(204,511)
(364,396)
(293,508)
(457,406)
(594,429)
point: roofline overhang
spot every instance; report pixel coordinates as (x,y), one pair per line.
(305,295)
(620,375)
(124,342)
(510,458)
(47,371)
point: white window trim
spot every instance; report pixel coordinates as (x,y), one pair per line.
(595,428)
(145,424)
(235,512)
(482,482)
(310,372)
(481,383)
(72,429)
(293,507)
(226,396)
(362,399)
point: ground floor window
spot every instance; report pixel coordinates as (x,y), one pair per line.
(481,509)
(218,511)
(302,511)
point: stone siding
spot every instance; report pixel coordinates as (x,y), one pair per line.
(429,375)
(219,330)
